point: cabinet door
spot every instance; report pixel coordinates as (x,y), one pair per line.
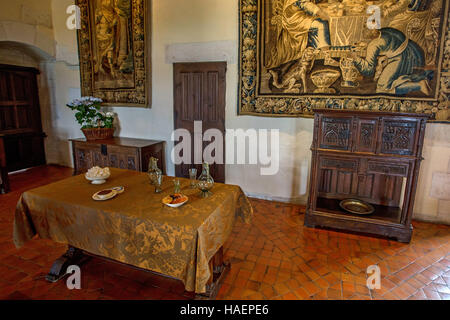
(366,135)
(98,159)
(123,158)
(335,133)
(399,137)
(83,158)
(132,163)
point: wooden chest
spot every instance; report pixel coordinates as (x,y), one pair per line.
(122,153)
(369,156)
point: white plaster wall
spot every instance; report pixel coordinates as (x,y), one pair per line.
(207,22)
(16,56)
(32,12)
(433,196)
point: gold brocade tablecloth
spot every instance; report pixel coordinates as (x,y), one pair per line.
(135,227)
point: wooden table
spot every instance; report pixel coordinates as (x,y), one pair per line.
(135,228)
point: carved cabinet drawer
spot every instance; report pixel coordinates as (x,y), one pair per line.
(387,168)
(339,163)
(122,153)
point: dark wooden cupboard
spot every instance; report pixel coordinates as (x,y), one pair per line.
(122,153)
(370,156)
(20,118)
(4,180)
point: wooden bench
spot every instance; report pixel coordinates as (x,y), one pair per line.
(4,180)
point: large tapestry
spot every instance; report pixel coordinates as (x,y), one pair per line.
(114,51)
(297,55)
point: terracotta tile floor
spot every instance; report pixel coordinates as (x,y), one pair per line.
(275,258)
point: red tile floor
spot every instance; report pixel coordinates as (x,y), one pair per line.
(276,257)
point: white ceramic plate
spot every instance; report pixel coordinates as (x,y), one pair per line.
(97,197)
(177,205)
(97,180)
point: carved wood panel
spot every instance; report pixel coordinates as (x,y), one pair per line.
(378,182)
(337,175)
(365,185)
(335,133)
(131,165)
(366,135)
(398,137)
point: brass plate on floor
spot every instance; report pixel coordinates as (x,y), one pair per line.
(356,206)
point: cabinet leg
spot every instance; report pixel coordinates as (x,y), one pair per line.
(308,221)
(404,238)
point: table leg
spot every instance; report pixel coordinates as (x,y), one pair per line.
(73,256)
(4,186)
(219,270)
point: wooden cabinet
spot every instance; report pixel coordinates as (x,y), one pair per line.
(122,153)
(20,118)
(370,156)
(4,180)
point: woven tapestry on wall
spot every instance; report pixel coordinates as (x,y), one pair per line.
(297,55)
(114,42)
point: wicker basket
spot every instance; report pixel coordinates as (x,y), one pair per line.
(98,133)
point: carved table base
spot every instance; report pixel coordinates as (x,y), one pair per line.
(212,289)
(75,256)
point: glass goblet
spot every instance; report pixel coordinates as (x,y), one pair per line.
(193,177)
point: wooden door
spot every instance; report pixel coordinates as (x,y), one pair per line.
(199,95)
(20,118)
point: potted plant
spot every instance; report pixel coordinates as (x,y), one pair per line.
(94,123)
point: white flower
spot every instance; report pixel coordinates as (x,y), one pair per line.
(110,115)
(85,101)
